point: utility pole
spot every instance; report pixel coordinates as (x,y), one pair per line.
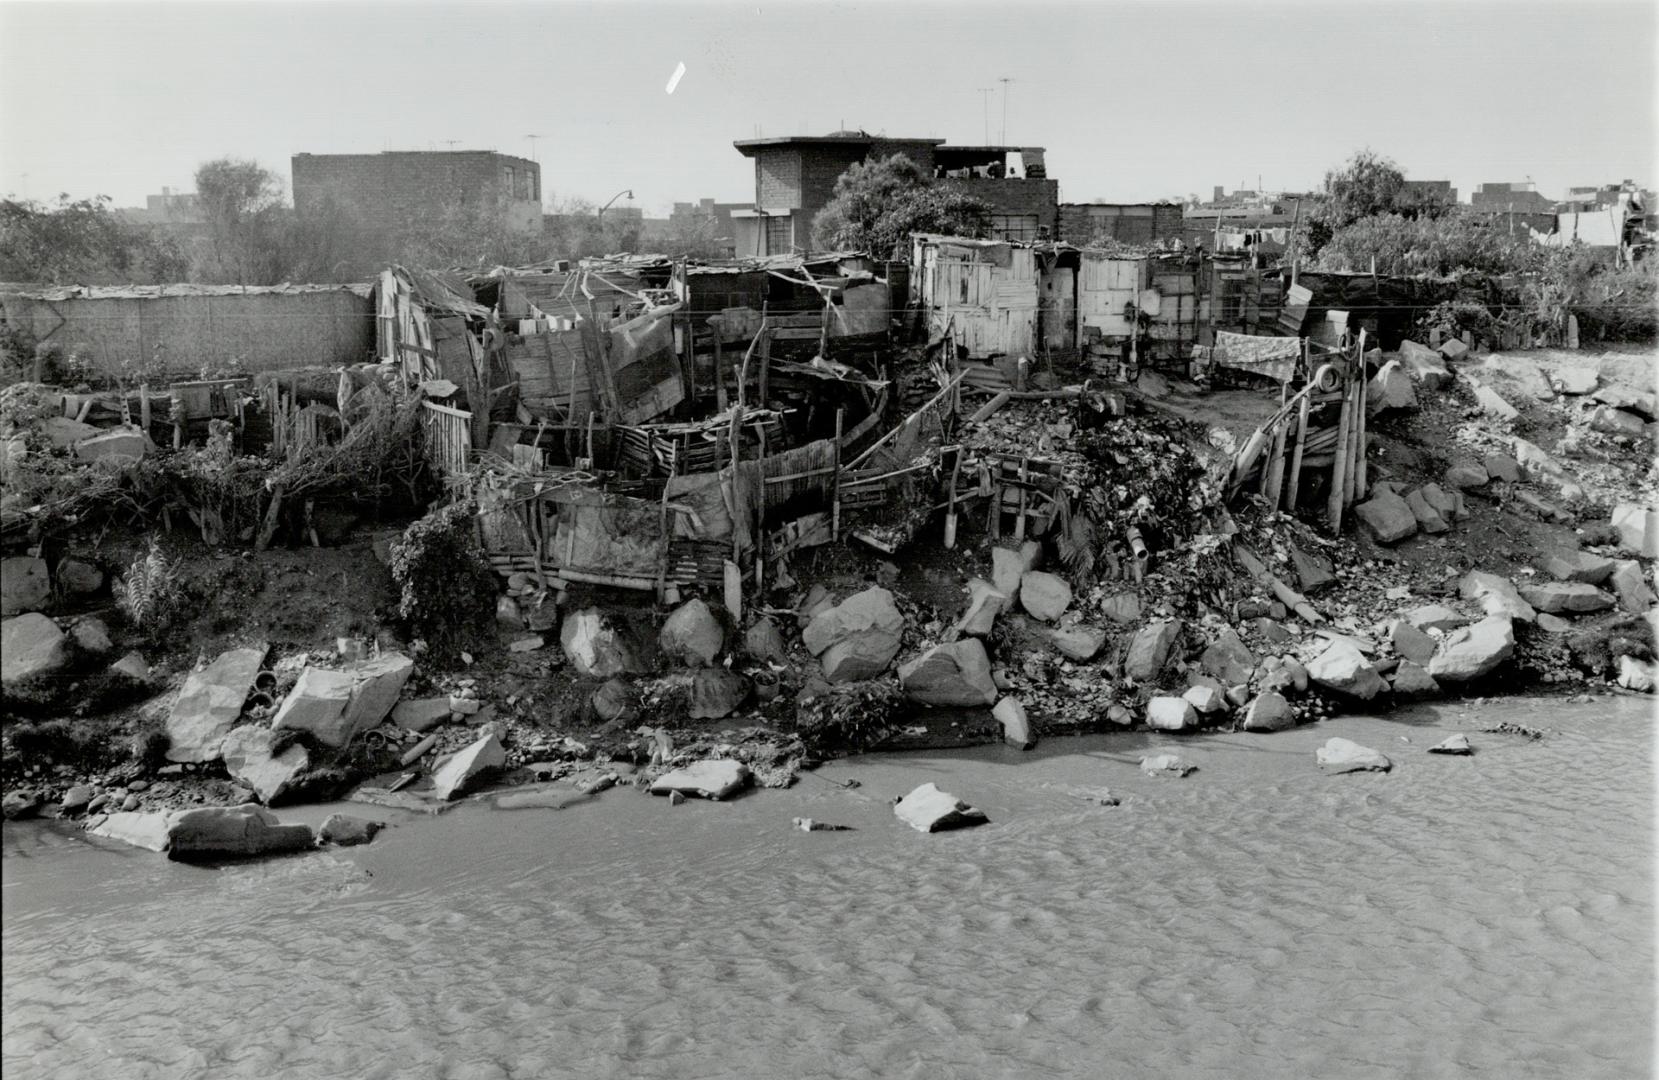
(1005,80)
(532,139)
(985,93)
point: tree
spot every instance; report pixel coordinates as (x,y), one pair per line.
(694,235)
(1411,246)
(81,241)
(242,201)
(474,235)
(1368,185)
(877,204)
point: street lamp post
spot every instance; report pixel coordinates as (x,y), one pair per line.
(626,191)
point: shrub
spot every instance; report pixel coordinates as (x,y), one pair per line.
(151,594)
(446,591)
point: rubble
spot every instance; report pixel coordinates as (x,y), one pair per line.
(1388,516)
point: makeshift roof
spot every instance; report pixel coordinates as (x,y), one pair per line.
(152,292)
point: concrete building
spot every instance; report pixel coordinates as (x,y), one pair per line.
(1440,189)
(391,188)
(169,208)
(1504,197)
(795,178)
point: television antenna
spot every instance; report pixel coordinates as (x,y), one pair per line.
(985,93)
(1005,80)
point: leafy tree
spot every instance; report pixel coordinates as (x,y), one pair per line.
(877,204)
(694,236)
(1440,247)
(242,201)
(81,241)
(473,235)
(1366,186)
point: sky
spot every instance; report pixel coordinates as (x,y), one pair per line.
(1133,101)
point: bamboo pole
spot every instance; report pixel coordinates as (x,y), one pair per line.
(1339,470)
(1295,485)
(1276,470)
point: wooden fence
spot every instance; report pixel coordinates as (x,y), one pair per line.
(448,438)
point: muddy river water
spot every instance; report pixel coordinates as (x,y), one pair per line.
(1481,916)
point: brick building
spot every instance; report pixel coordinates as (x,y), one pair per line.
(1502,198)
(795,178)
(1130,223)
(390,188)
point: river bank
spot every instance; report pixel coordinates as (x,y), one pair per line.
(1457,916)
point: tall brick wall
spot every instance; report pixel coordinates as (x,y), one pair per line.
(1016,196)
(390,189)
(1132,223)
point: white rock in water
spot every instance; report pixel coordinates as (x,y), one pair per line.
(1171,714)
(148,831)
(1342,755)
(1016,727)
(1162,763)
(927,809)
(713,779)
(1453,744)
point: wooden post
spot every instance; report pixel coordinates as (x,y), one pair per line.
(835,490)
(950,503)
(144,408)
(720,400)
(1276,465)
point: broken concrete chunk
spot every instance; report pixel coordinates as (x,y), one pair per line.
(1621,397)
(1343,668)
(857,638)
(418,714)
(955,674)
(929,810)
(1473,651)
(209,703)
(1579,566)
(1016,726)
(1044,596)
(692,635)
(1171,714)
(1541,468)
(1344,756)
(248,758)
(454,773)
(1453,349)
(1576,381)
(711,779)
(1388,516)
(225,832)
(1502,467)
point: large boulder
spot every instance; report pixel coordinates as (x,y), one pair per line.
(1496,595)
(927,809)
(955,674)
(1411,643)
(712,779)
(764,641)
(209,703)
(1269,712)
(77,577)
(1080,643)
(454,773)
(1473,651)
(1429,519)
(1388,516)
(857,638)
(1016,726)
(1228,659)
(1611,421)
(1575,381)
(24,585)
(31,647)
(1631,586)
(1572,597)
(229,832)
(317,704)
(418,714)
(143,830)
(376,686)
(1582,566)
(985,603)
(598,645)
(1044,596)
(1640,402)
(1344,756)
(1343,668)
(1502,467)
(1638,528)
(1149,649)
(1390,388)
(717,693)
(1171,714)
(692,635)
(248,758)
(1424,365)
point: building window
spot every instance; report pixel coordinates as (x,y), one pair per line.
(507,180)
(1014,226)
(779,236)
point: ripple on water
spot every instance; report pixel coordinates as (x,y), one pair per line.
(1255,919)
